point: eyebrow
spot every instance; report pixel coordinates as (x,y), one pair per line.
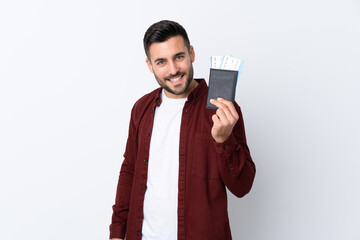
(180,53)
(159,59)
(163,59)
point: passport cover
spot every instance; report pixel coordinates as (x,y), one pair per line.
(222,83)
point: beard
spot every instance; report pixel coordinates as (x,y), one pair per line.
(180,91)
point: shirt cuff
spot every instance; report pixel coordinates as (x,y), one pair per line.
(226,147)
(117,232)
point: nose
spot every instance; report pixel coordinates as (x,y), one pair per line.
(173,68)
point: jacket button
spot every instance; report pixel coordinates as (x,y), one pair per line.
(226,146)
(145,159)
(148,135)
(138,233)
(143,185)
(140,209)
(230,164)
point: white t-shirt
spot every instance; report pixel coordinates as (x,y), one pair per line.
(161,196)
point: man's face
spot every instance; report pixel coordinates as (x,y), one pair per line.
(171,63)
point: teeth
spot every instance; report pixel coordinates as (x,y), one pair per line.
(175,79)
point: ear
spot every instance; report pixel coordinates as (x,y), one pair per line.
(192,54)
(148,62)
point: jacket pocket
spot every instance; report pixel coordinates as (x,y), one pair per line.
(204,161)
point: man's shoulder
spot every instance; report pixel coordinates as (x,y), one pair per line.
(148,98)
(143,103)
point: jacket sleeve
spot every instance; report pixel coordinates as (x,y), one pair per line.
(236,167)
(124,186)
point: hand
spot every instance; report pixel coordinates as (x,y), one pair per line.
(117,239)
(224,120)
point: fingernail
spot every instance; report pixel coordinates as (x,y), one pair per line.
(219,99)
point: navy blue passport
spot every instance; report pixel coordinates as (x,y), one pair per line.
(222,83)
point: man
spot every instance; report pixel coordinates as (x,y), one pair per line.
(179,156)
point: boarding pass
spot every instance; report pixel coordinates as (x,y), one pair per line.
(226,62)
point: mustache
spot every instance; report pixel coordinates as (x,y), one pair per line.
(175,75)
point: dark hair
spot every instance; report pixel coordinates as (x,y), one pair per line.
(163,31)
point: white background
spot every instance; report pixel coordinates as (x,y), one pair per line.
(70,72)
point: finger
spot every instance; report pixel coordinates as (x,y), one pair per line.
(230,106)
(229,116)
(216,120)
(214,102)
(223,117)
(218,104)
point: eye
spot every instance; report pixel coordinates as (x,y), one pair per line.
(160,62)
(179,57)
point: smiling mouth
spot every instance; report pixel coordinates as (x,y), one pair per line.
(175,79)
